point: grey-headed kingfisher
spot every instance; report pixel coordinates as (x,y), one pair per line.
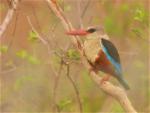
(101,52)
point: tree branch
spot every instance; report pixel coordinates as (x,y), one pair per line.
(8,17)
(116,92)
(33,29)
(75,88)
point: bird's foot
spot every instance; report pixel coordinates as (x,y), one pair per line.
(93,69)
(104,79)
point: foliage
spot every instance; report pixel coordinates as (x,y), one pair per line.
(139,14)
(140,17)
(64,103)
(73,54)
(125,19)
(33,60)
(137,32)
(135,18)
(23,54)
(33,37)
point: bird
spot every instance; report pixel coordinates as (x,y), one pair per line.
(101,53)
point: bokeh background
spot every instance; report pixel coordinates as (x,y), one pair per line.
(33,76)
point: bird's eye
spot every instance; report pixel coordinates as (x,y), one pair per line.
(91,30)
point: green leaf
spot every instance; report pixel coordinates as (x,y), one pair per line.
(139,15)
(63,103)
(137,32)
(33,36)
(22,54)
(3,48)
(33,60)
(30,58)
(73,54)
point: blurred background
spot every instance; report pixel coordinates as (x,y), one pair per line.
(48,76)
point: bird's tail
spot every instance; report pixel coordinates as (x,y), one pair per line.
(123,83)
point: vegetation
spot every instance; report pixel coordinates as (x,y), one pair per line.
(48,76)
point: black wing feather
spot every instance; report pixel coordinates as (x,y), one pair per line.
(111,49)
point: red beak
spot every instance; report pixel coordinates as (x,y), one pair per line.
(79,32)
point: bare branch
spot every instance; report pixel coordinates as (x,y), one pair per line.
(79,14)
(13,68)
(14,31)
(75,88)
(8,17)
(57,74)
(85,8)
(116,92)
(56,83)
(40,38)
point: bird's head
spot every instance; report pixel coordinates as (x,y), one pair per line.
(86,32)
(95,29)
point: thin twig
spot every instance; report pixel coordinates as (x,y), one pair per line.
(79,13)
(57,74)
(40,38)
(115,91)
(75,88)
(36,18)
(85,8)
(14,31)
(56,83)
(9,70)
(8,17)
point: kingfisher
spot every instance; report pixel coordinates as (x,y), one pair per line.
(101,53)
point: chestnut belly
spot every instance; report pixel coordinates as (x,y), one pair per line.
(103,64)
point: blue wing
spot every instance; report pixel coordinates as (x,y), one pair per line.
(112,54)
